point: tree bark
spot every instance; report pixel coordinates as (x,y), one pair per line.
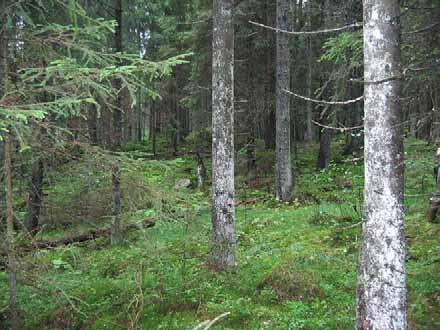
(435,198)
(12,263)
(309,134)
(117,111)
(116,226)
(381,291)
(201,169)
(324,152)
(35,199)
(270,122)
(223,240)
(284,182)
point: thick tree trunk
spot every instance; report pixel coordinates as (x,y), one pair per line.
(223,241)
(284,182)
(12,263)
(35,199)
(381,292)
(116,184)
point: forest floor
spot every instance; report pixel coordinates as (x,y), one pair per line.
(296,262)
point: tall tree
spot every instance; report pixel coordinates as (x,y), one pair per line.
(12,267)
(381,292)
(309,133)
(284,181)
(223,241)
(35,196)
(117,111)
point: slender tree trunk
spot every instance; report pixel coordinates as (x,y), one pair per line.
(3,78)
(309,136)
(270,122)
(223,240)
(12,263)
(35,199)
(201,169)
(117,112)
(116,226)
(435,199)
(153,127)
(324,153)
(381,292)
(139,133)
(284,182)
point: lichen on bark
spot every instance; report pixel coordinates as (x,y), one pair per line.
(381,293)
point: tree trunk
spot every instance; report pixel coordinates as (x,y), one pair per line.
(35,199)
(435,199)
(381,291)
(201,169)
(223,240)
(116,226)
(309,134)
(270,122)
(153,127)
(284,182)
(12,264)
(117,111)
(324,153)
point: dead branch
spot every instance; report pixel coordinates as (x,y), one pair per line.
(360,98)
(308,33)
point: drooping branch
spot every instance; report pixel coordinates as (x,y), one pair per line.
(424,29)
(308,33)
(339,129)
(360,98)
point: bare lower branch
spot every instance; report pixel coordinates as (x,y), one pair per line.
(339,129)
(360,98)
(316,32)
(425,29)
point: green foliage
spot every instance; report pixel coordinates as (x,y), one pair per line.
(344,49)
(297,262)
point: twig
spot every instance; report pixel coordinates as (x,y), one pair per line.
(316,32)
(360,98)
(425,29)
(208,324)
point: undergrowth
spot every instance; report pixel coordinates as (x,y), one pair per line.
(297,262)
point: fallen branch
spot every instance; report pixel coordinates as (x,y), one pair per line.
(209,323)
(81,238)
(92,235)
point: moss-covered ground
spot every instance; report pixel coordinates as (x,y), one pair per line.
(296,262)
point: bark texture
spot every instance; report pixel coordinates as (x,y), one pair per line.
(12,263)
(116,232)
(35,199)
(381,292)
(223,241)
(435,199)
(117,112)
(309,133)
(284,180)
(324,153)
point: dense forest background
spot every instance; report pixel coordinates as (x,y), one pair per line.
(106,126)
